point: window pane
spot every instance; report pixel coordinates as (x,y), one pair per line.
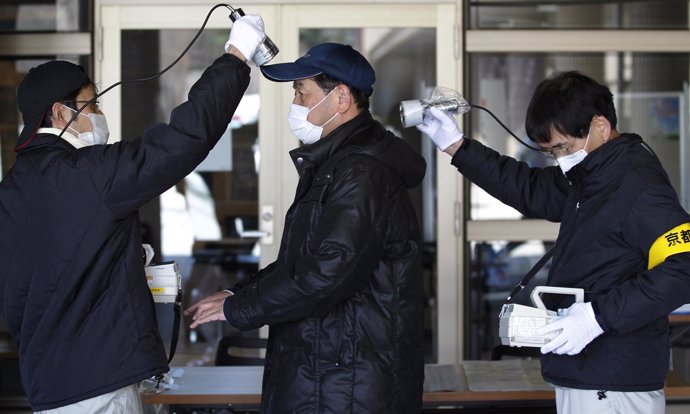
(648,90)
(45,16)
(495,268)
(568,14)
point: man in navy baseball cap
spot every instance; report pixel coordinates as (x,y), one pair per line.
(339,61)
(332,82)
(347,281)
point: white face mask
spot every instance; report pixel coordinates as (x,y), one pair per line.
(567,162)
(99,133)
(307,132)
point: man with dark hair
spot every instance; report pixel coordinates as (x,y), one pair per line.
(344,298)
(72,285)
(624,239)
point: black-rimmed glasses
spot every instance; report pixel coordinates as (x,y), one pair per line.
(558,152)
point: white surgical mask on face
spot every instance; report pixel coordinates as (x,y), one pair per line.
(567,162)
(307,132)
(99,133)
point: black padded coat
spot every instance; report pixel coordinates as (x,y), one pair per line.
(344,298)
(72,285)
(613,207)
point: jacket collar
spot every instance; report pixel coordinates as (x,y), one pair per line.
(603,164)
(318,152)
(45,137)
(364,135)
(67,136)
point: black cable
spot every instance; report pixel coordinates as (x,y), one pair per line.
(506,128)
(98,95)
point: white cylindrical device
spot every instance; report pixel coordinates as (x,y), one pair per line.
(412,112)
(266,51)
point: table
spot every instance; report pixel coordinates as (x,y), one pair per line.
(470,385)
(680,326)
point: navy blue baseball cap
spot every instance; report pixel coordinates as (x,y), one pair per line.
(336,60)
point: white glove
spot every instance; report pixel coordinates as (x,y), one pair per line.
(578,328)
(246,34)
(441,127)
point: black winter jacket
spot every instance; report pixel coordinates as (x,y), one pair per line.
(344,298)
(612,207)
(72,283)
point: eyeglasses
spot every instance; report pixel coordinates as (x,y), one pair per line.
(558,152)
(93,105)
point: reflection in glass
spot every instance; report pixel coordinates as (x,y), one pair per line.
(46,16)
(193,223)
(495,268)
(567,14)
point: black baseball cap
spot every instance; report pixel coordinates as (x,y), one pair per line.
(45,84)
(339,61)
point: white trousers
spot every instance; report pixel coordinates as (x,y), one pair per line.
(123,401)
(573,401)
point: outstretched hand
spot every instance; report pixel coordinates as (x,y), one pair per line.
(246,35)
(208,309)
(441,127)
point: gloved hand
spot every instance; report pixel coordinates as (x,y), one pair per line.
(578,328)
(246,34)
(441,127)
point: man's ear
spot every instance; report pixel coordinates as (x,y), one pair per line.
(345,98)
(59,115)
(602,126)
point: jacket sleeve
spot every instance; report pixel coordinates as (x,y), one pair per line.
(534,192)
(129,173)
(345,249)
(655,219)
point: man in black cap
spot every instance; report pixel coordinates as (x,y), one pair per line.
(344,298)
(50,95)
(72,285)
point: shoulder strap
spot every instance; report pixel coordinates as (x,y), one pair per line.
(530,274)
